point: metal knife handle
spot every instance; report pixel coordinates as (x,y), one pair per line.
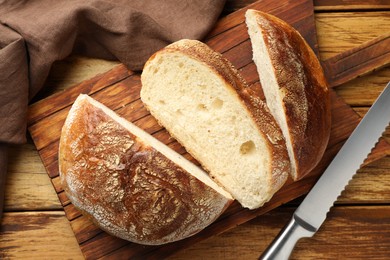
(284,243)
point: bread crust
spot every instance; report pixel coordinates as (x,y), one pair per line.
(267,126)
(127,187)
(300,78)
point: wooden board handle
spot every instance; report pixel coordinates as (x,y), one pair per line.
(357,61)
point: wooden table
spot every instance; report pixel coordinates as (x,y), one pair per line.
(34,224)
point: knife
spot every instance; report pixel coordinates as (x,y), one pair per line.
(310,215)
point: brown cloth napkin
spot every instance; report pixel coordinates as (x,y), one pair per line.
(36,33)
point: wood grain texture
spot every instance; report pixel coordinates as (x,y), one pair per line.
(362,92)
(370,185)
(360,225)
(44,235)
(333,5)
(348,233)
(358,228)
(27,183)
(358,61)
(342,31)
(245,241)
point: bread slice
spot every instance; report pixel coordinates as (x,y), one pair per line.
(130,184)
(202,101)
(294,86)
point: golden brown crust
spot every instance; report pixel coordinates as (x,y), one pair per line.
(306,96)
(129,188)
(267,126)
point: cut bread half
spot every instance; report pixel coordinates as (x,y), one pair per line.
(130,184)
(202,101)
(295,88)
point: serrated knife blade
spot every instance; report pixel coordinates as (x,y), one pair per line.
(312,212)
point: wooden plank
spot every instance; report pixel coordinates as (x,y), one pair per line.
(24,190)
(63,199)
(361,227)
(364,91)
(37,235)
(359,232)
(86,229)
(359,61)
(27,182)
(362,233)
(102,244)
(336,5)
(371,182)
(71,212)
(341,31)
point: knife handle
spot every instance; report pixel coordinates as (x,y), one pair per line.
(284,243)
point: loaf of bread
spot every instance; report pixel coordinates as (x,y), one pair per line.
(138,189)
(295,88)
(202,101)
(130,184)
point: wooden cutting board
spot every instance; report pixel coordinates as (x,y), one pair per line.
(119,89)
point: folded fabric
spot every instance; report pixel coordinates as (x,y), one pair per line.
(35,34)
